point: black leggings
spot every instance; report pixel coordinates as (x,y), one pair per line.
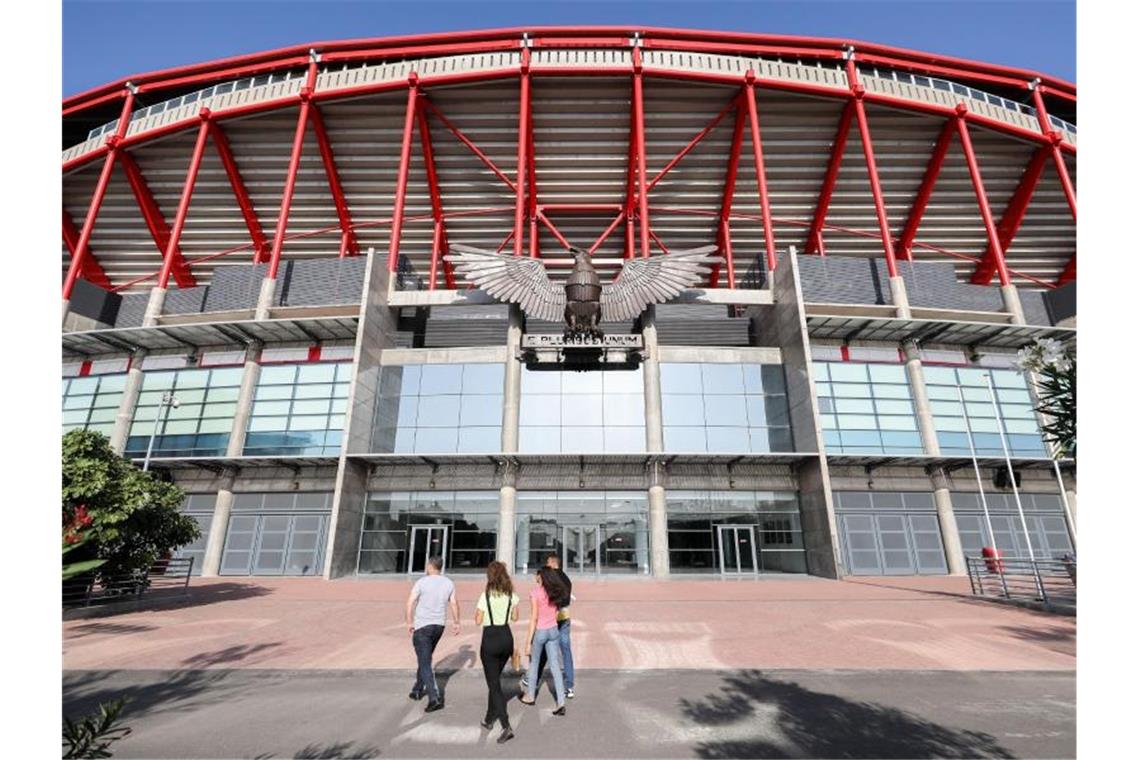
(495,651)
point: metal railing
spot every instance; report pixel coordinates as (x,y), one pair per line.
(1052,582)
(166,577)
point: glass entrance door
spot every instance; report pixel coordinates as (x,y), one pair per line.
(581,550)
(426,541)
(737,546)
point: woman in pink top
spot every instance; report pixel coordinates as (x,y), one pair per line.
(549,593)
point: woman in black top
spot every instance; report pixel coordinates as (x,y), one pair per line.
(498,606)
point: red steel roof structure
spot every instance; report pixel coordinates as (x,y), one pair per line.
(625,142)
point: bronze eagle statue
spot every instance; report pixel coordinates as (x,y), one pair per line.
(582,301)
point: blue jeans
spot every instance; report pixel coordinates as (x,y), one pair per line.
(567,655)
(424,641)
(546,640)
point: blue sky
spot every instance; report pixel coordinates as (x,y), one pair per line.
(104,40)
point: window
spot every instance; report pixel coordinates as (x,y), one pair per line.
(724,408)
(471,519)
(956,423)
(440,409)
(582,412)
(92,403)
(199,425)
(298,409)
(695,516)
(866,409)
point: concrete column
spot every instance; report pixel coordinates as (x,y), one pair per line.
(899,297)
(922,412)
(1012,301)
(249,377)
(154,307)
(265,298)
(212,560)
(947,523)
(651,375)
(122,430)
(658,524)
(508,501)
(512,386)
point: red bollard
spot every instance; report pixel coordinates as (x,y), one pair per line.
(993,559)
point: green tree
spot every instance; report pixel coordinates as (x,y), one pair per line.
(1054,373)
(129,518)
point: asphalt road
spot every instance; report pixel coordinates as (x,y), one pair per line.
(660,713)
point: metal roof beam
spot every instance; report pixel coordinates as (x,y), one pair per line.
(89,267)
(468,143)
(155,222)
(814,242)
(523,138)
(1013,216)
(439,243)
(983,199)
(758,159)
(241,194)
(925,190)
(348,244)
(724,226)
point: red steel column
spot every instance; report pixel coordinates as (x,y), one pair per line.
(639,142)
(91,272)
(926,189)
(252,223)
(348,244)
(872,170)
(758,158)
(523,138)
(402,175)
(291,176)
(1058,159)
(81,246)
(439,233)
(724,228)
(155,222)
(168,258)
(813,244)
(1013,215)
(980,192)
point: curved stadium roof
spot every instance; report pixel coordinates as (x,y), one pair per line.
(576,152)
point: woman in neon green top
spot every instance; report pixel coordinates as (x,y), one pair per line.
(497,607)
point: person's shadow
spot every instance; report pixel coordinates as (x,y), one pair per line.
(464,657)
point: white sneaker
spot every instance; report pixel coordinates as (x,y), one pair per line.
(569,693)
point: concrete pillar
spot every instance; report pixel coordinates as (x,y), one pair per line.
(122,430)
(508,501)
(899,297)
(154,307)
(249,376)
(658,523)
(922,412)
(947,523)
(651,375)
(212,559)
(1012,301)
(512,385)
(265,298)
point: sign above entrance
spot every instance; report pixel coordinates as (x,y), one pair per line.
(587,342)
(583,302)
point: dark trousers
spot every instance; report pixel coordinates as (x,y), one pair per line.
(424,641)
(495,651)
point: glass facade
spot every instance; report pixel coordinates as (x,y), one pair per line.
(866,408)
(393,520)
(91,403)
(950,419)
(593,531)
(439,409)
(702,526)
(582,412)
(199,425)
(724,408)
(298,409)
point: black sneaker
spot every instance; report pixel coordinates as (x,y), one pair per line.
(506,736)
(413,695)
(487,724)
(433,706)
(560,711)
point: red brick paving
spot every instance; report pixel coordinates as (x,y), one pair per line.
(871,623)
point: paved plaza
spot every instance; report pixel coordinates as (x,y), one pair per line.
(786,667)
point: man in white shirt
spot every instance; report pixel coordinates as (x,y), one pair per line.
(426,616)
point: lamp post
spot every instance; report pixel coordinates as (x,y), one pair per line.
(168,401)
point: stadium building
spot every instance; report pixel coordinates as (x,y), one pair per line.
(259,287)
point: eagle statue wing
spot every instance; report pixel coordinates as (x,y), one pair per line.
(513,279)
(656,279)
